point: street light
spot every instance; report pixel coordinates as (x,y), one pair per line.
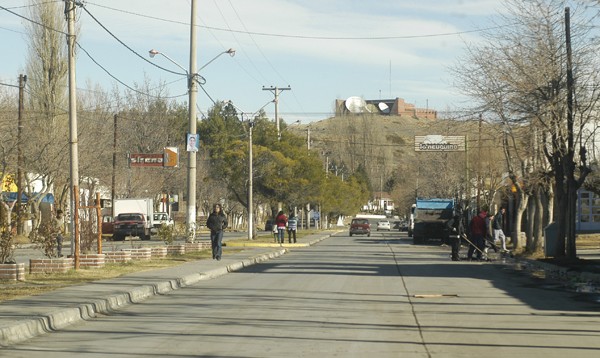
(192,91)
(230,52)
(250,166)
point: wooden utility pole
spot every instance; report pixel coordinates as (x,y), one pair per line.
(22,80)
(250,183)
(276,91)
(114,169)
(479,165)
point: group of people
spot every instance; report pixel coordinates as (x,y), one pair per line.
(483,228)
(283,223)
(217,222)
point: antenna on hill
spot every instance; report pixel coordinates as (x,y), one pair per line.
(390,78)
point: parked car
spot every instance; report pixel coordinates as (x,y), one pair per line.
(107,225)
(404,226)
(159,218)
(384,225)
(269,225)
(130,224)
(360,227)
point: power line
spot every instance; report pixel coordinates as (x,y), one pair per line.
(306,37)
(128,47)
(121,82)
(32,21)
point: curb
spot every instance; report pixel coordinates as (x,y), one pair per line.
(58,319)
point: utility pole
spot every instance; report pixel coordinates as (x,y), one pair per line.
(276,91)
(308,137)
(479,165)
(114,168)
(74,214)
(193,91)
(22,80)
(250,180)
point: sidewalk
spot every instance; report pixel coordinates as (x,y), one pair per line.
(28,317)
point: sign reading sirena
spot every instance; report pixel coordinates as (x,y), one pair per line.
(146,160)
(439,143)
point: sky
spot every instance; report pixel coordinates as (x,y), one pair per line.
(322,49)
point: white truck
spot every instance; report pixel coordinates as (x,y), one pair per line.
(160,218)
(126,224)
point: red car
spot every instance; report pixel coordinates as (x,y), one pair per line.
(360,227)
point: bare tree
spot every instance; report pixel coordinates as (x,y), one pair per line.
(46,128)
(519,74)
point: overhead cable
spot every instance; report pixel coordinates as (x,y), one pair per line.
(121,82)
(128,47)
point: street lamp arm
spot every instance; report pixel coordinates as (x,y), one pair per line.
(154,52)
(231,53)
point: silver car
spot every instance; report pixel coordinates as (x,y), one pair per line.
(384,225)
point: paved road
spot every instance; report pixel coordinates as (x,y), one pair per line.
(345,297)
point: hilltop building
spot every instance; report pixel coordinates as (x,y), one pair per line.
(385,107)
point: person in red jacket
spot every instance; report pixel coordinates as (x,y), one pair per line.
(478,230)
(281,222)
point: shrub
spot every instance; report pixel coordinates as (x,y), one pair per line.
(165,232)
(44,238)
(7,245)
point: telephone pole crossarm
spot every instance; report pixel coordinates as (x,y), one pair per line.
(276,91)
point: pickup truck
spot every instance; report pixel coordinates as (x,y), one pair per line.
(130,224)
(160,218)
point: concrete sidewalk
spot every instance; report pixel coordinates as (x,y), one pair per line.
(28,317)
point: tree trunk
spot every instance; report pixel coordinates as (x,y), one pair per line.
(516,229)
(531,213)
(539,221)
(548,209)
(561,219)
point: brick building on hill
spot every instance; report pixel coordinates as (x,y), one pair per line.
(385,107)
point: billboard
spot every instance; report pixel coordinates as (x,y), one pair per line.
(440,143)
(146,160)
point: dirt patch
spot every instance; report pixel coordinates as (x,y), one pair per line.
(577,264)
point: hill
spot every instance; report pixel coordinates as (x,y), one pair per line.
(385,147)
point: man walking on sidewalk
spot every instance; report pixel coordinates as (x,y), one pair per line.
(216,222)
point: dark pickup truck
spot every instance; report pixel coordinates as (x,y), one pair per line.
(130,224)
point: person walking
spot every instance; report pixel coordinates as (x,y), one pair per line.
(497,226)
(292,227)
(478,230)
(281,222)
(59,229)
(456,230)
(216,222)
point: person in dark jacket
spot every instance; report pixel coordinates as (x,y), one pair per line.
(216,222)
(456,230)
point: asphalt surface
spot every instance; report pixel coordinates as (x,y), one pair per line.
(29,317)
